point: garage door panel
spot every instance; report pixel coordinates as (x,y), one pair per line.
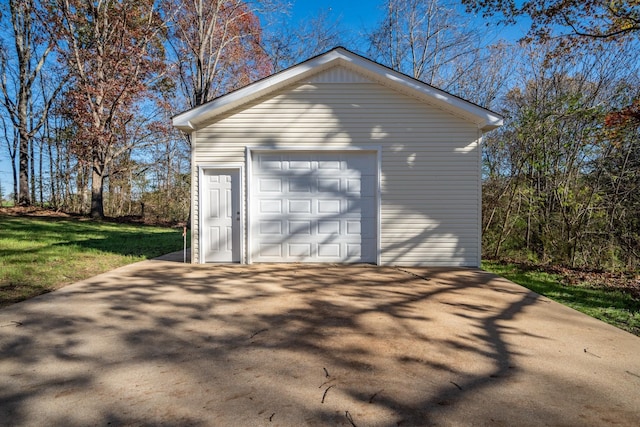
(271,185)
(299,206)
(314,207)
(300,165)
(362,186)
(271,251)
(299,228)
(329,206)
(353,228)
(270,227)
(299,250)
(269,162)
(329,227)
(270,206)
(354,186)
(329,165)
(354,250)
(331,250)
(299,186)
(329,185)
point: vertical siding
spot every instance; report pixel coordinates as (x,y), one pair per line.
(430,168)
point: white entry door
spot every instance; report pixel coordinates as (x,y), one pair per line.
(221,215)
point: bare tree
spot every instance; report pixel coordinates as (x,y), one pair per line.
(288,43)
(12,140)
(19,73)
(216,46)
(422,38)
(484,75)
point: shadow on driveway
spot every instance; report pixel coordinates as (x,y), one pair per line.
(165,343)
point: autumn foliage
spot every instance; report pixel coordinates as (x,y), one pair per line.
(217,46)
(625,116)
(113,51)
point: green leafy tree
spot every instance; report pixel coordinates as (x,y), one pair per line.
(547,169)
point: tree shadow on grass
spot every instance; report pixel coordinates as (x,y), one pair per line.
(128,240)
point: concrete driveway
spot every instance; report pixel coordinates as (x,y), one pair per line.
(164,343)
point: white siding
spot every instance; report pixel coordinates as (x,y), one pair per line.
(430,163)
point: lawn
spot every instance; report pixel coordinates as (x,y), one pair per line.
(38,255)
(614,306)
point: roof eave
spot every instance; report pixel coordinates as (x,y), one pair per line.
(193,119)
(184,126)
(189,120)
(493,122)
(485,119)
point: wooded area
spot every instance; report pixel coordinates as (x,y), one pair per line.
(88,88)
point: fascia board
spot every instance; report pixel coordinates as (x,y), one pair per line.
(482,117)
(189,120)
(485,119)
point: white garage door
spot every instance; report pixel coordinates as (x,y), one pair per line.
(313,207)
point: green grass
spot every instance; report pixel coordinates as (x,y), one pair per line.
(609,305)
(38,255)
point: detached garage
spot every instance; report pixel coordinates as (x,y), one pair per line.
(337,159)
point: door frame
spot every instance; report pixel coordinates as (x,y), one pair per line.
(239,169)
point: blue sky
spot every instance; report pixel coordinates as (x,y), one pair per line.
(357,15)
(354,17)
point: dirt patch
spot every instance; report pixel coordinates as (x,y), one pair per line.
(35,211)
(628,282)
(39,212)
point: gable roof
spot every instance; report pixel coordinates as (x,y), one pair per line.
(197,117)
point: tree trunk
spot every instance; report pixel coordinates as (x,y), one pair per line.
(53,166)
(32,171)
(15,182)
(24,197)
(40,178)
(14,175)
(97,184)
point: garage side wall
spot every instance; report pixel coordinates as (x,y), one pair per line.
(430,172)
